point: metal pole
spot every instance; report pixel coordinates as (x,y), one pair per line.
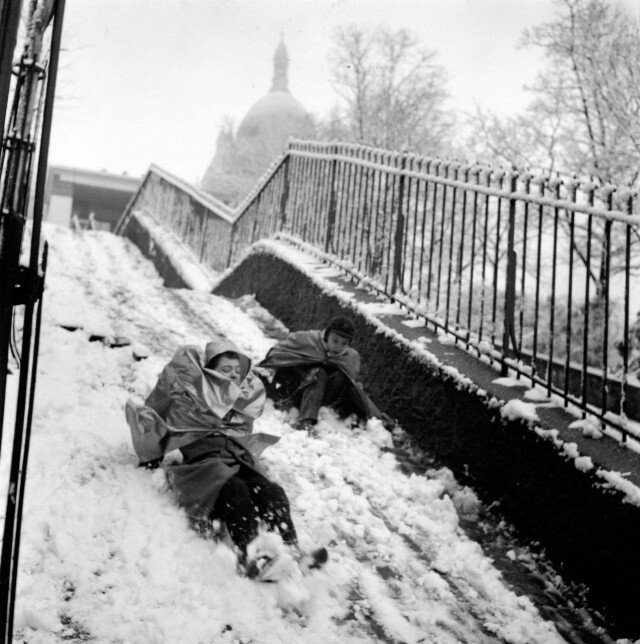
(510,291)
(9,21)
(331,217)
(15,498)
(397,275)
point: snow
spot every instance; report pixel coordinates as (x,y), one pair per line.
(590,427)
(517,409)
(617,480)
(194,274)
(312,260)
(446,338)
(414,323)
(107,554)
(537,393)
(323,150)
(508,381)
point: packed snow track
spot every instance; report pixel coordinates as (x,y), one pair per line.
(108,556)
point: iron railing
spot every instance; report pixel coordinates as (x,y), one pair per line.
(532,273)
(31,81)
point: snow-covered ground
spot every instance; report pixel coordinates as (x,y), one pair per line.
(106,554)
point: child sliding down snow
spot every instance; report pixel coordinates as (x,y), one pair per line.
(204,405)
(315,368)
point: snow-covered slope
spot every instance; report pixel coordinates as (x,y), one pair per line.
(106,554)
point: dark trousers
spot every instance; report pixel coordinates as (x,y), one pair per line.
(245,499)
(328,387)
(313,386)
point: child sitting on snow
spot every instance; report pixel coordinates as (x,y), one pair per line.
(204,406)
(315,368)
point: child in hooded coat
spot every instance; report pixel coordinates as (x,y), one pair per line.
(319,367)
(204,405)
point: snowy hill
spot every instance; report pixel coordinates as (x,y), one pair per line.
(106,554)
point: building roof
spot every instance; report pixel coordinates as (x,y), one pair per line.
(94,178)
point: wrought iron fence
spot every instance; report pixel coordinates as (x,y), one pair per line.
(534,273)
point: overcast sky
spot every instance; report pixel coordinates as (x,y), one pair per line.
(151,81)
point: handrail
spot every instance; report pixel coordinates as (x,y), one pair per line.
(531,272)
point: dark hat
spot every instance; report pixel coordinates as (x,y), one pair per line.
(342,326)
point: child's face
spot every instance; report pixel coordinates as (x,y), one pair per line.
(230,367)
(336,344)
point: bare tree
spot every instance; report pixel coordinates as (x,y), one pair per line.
(585,114)
(393,90)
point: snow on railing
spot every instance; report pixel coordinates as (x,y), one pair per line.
(537,268)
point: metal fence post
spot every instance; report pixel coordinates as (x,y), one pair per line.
(284,198)
(331,216)
(510,287)
(397,276)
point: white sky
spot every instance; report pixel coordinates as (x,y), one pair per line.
(150,81)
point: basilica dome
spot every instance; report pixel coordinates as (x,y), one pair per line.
(277,111)
(278,114)
(262,135)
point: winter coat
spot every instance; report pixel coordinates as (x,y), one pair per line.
(307,348)
(207,417)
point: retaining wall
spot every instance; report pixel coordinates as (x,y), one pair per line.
(587,530)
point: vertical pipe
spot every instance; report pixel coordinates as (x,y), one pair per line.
(536,309)
(363,211)
(454,203)
(398,262)
(434,204)
(390,209)
(555,186)
(443,211)
(21,439)
(627,295)
(284,199)
(409,217)
(496,263)
(386,218)
(587,303)
(352,196)
(366,210)
(510,290)
(525,236)
(322,193)
(373,245)
(571,190)
(474,227)
(425,201)
(606,275)
(10,11)
(414,241)
(460,263)
(339,191)
(485,237)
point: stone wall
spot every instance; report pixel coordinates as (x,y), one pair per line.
(586,530)
(140,236)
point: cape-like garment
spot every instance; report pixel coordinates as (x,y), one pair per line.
(207,417)
(307,348)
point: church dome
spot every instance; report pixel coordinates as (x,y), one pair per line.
(278,115)
(277,111)
(261,137)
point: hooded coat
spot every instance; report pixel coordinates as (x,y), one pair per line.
(308,349)
(206,416)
